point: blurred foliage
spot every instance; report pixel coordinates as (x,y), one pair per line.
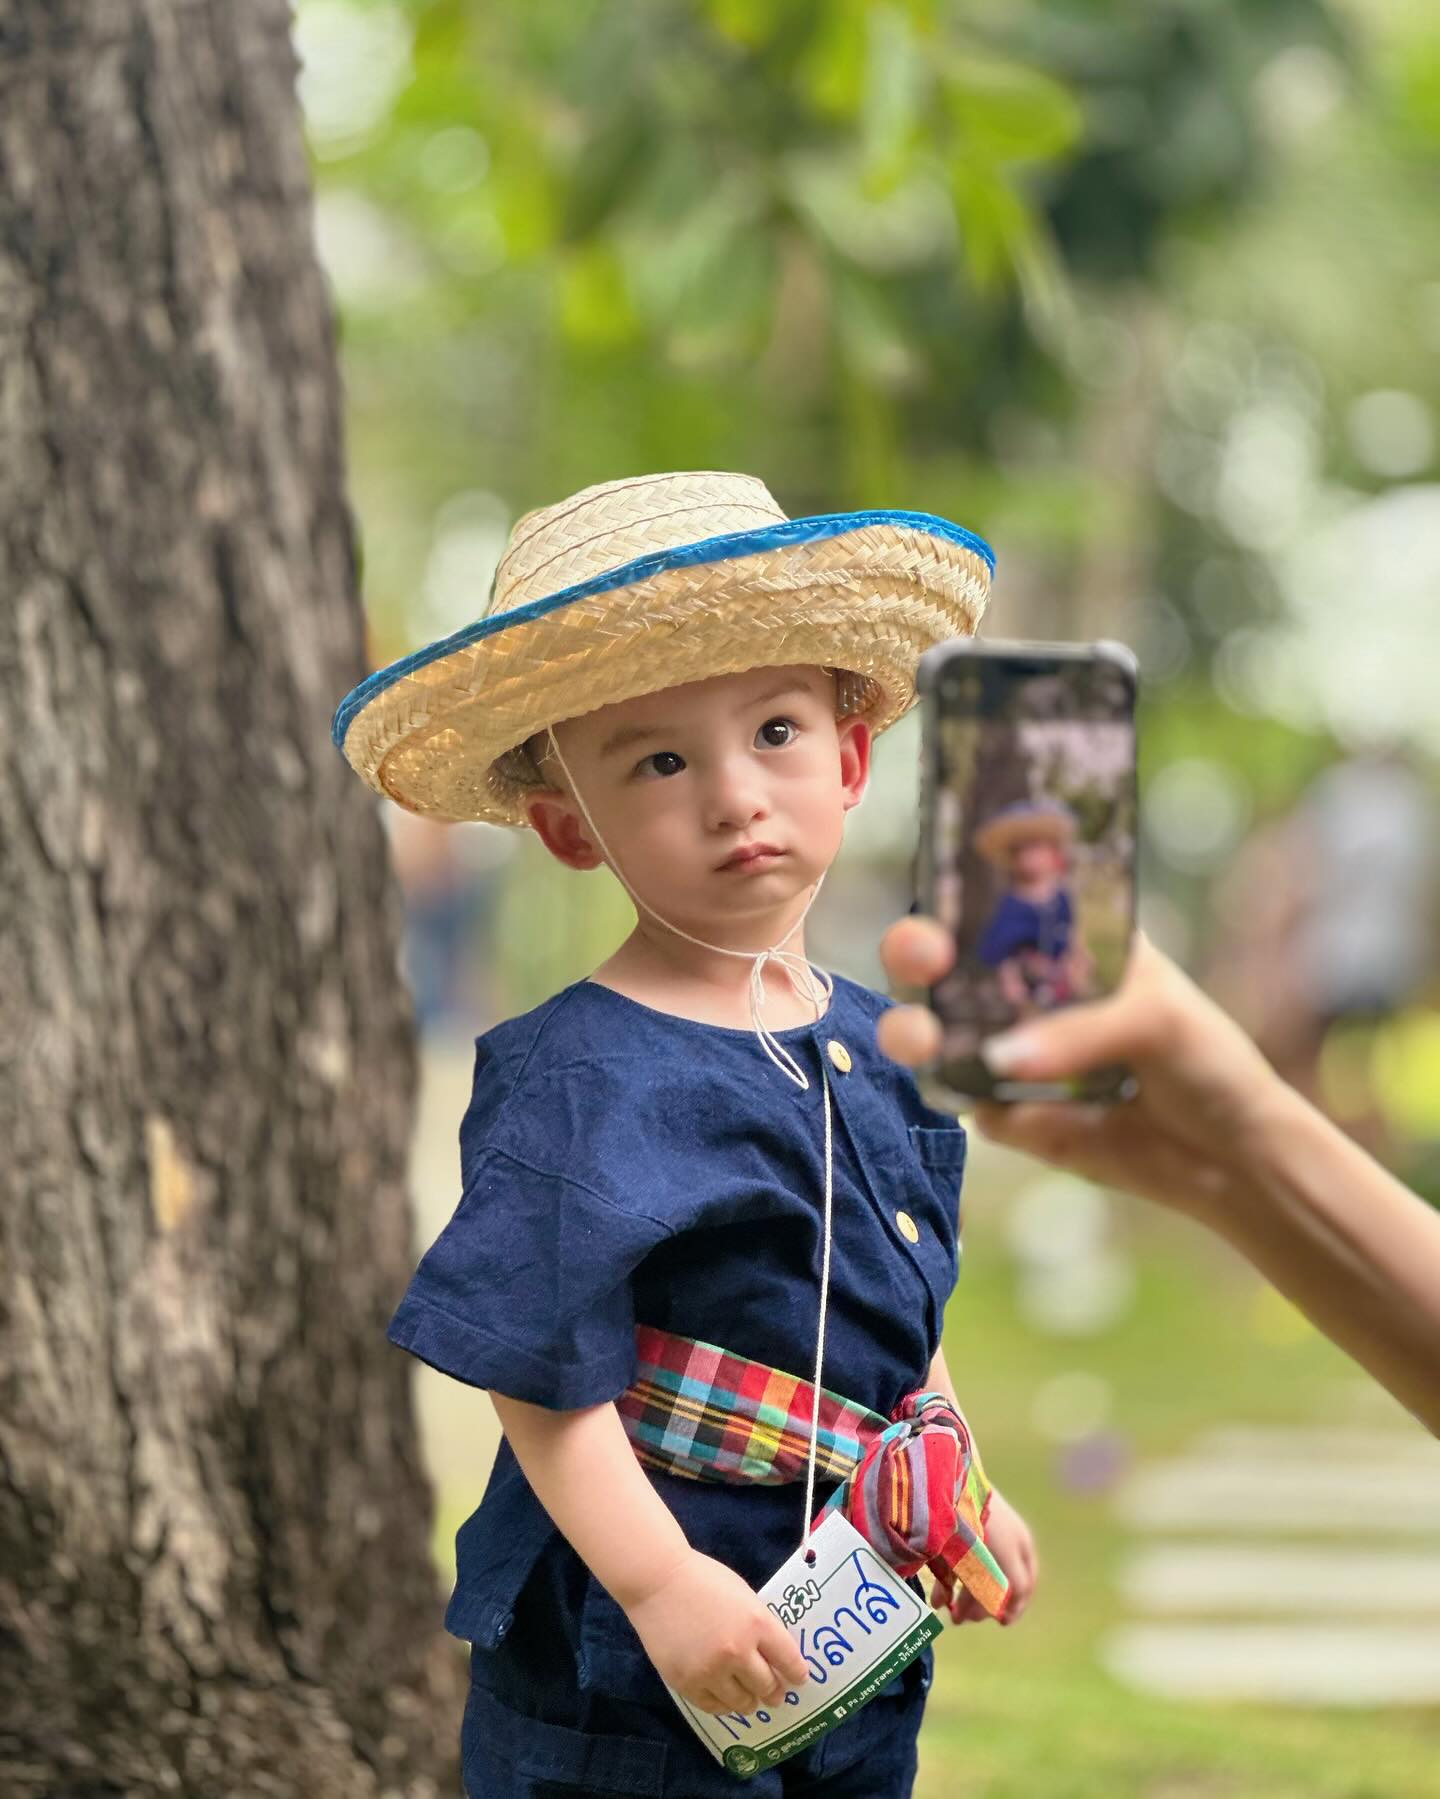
(1146,295)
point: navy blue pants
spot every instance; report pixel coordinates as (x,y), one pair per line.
(531,1731)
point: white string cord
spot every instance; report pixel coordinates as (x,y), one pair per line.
(794,965)
(820,1334)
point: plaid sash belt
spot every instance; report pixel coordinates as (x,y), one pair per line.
(913,1484)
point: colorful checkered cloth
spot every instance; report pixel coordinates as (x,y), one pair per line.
(913,1484)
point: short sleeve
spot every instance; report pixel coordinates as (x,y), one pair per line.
(527,1290)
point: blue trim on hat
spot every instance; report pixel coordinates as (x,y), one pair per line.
(705,549)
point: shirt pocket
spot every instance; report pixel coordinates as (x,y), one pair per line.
(936,1172)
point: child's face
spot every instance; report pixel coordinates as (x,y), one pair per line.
(1037,859)
(678,781)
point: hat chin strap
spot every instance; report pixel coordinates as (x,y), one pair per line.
(809,981)
(797,967)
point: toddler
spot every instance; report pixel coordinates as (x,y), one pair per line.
(690,1176)
(1030,939)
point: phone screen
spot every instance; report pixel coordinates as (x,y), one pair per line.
(1028,843)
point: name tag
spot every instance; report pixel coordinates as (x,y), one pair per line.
(857,1625)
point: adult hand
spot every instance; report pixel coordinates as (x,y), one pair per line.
(1203,1086)
(1214,1132)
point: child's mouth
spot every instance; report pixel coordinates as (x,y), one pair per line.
(751,861)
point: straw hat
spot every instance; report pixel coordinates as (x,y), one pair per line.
(635,586)
(1021,822)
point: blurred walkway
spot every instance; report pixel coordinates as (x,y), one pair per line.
(1293,1565)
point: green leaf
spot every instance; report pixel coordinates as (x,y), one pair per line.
(905,227)
(1005,112)
(751,23)
(895,80)
(525,207)
(1418,87)
(832,70)
(993,220)
(604,171)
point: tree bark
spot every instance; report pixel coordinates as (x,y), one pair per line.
(214,1575)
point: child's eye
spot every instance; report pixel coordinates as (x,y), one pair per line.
(660,756)
(670,756)
(786,724)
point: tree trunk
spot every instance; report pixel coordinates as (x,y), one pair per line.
(214,1576)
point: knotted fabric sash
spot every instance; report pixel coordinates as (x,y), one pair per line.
(913,1484)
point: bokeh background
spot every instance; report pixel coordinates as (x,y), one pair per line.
(1148,296)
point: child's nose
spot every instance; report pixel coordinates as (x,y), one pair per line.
(736,795)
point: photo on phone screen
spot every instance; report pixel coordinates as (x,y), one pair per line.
(1028,842)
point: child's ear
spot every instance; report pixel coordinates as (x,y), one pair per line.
(855,742)
(556,822)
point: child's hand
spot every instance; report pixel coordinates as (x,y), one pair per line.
(1012,985)
(713,1640)
(1080,967)
(1008,1538)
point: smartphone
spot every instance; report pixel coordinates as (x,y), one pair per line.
(1027,846)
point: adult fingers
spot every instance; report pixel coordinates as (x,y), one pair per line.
(1090,1035)
(909,1035)
(1053,1130)
(916,951)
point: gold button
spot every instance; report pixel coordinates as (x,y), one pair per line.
(908,1226)
(839,1055)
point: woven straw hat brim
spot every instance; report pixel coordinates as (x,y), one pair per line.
(996,839)
(867,592)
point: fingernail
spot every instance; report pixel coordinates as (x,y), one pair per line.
(1003,1053)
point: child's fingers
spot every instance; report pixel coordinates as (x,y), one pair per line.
(782,1653)
(735,1693)
(965,1608)
(1018,1600)
(766,1684)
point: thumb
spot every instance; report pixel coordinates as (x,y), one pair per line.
(783,1653)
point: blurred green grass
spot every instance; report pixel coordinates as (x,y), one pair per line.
(1028,1711)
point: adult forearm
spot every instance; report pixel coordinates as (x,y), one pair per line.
(584,1472)
(1356,1251)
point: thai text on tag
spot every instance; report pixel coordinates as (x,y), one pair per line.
(857,1625)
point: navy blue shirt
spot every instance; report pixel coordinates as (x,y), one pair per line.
(622,1165)
(1019,924)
